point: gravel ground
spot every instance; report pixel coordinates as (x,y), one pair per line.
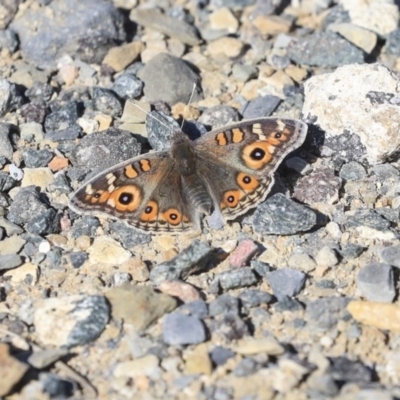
(297,299)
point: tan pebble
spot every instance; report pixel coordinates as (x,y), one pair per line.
(68,73)
(11,245)
(108,251)
(167,255)
(28,273)
(135,111)
(249,345)
(296,73)
(183,291)
(139,367)
(57,240)
(230,47)
(250,89)
(118,58)
(181,110)
(198,361)
(58,163)
(12,370)
(272,24)
(176,48)
(326,256)
(321,270)
(166,242)
(83,242)
(223,19)
(275,84)
(41,177)
(381,315)
(152,49)
(302,262)
(104,121)
(137,268)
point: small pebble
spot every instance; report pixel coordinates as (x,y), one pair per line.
(183,329)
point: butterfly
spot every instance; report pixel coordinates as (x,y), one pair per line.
(226,171)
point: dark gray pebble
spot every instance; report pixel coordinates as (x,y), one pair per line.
(37,158)
(324,313)
(106,101)
(160,128)
(233,279)
(376,282)
(196,308)
(6,182)
(262,106)
(254,298)
(8,40)
(282,216)
(261,268)
(219,115)
(27,205)
(287,303)
(6,147)
(104,149)
(78,258)
(128,86)
(180,329)
(324,49)
(352,171)
(369,218)
(57,387)
(224,304)
(192,259)
(45,223)
(220,355)
(9,261)
(40,92)
(344,370)
(60,184)
(87,225)
(130,237)
(286,282)
(386,171)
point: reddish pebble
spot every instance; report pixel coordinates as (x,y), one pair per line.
(58,163)
(246,250)
(65,223)
(183,291)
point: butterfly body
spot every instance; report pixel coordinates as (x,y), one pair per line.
(228,170)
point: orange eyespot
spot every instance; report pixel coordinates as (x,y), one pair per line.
(231,199)
(150,212)
(125,198)
(247,182)
(172,216)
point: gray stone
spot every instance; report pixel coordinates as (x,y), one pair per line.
(344,370)
(220,355)
(368,218)
(286,282)
(324,49)
(246,367)
(196,308)
(386,171)
(170,79)
(6,148)
(393,43)
(352,171)
(37,158)
(104,149)
(128,86)
(105,101)
(237,278)
(299,165)
(129,237)
(85,30)
(179,329)
(44,223)
(8,40)
(376,282)
(223,305)
(282,216)
(325,313)
(255,298)
(262,106)
(219,115)
(391,255)
(10,261)
(192,259)
(160,129)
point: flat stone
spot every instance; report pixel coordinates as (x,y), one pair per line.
(365,39)
(27,273)
(190,260)
(42,177)
(241,277)
(9,261)
(198,361)
(139,306)
(376,282)
(143,366)
(282,216)
(286,282)
(352,171)
(302,261)
(391,255)
(44,358)
(11,246)
(249,346)
(183,291)
(170,26)
(179,329)
(118,58)
(326,257)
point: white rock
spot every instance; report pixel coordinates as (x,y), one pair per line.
(15,172)
(359,99)
(108,251)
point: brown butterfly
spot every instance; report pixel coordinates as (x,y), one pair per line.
(228,171)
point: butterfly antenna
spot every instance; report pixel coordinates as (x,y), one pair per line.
(189,102)
(153,116)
